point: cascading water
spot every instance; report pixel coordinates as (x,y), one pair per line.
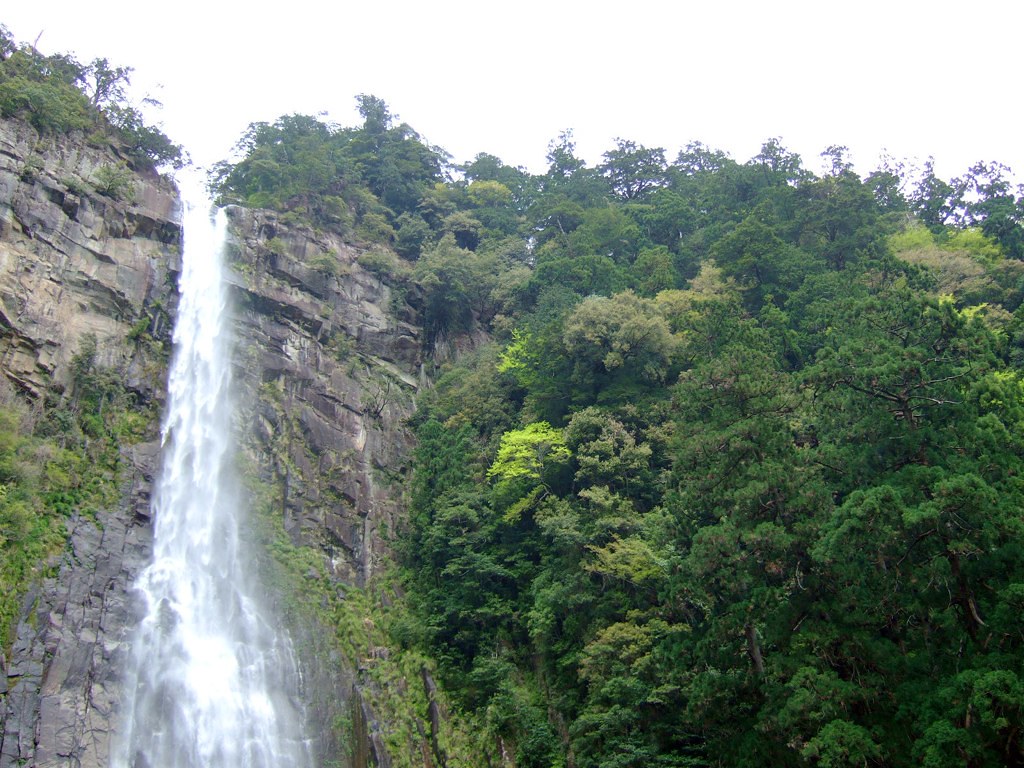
(211,681)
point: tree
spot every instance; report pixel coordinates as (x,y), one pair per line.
(289,163)
(840,218)
(456,285)
(606,231)
(888,183)
(376,115)
(619,346)
(146,144)
(525,453)
(759,262)
(633,170)
(8,45)
(606,453)
(411,234)
(393,160)
(561,157)
(697,158)
(937,202)
(777,164)
(654,270)
(44,90)
(996,206)
(106,84)
(522,186)
(568,176)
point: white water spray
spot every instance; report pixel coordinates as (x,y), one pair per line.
(210,682)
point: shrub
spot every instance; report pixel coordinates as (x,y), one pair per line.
(51,107)
(115,182)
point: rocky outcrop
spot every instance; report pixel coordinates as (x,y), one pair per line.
(330,361)
(77,264)
(68,655)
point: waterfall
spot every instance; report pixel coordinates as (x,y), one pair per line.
(211,681)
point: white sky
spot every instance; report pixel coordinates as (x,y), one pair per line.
(915,77)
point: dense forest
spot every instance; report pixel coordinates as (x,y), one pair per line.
(737,480)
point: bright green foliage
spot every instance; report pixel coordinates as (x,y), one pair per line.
(115,181)
(525,453)
(474,391)
(489,193)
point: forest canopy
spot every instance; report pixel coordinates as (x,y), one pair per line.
(738,479)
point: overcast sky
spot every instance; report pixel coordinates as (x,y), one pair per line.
(916,78)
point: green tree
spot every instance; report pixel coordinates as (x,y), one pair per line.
(456,285)
(618,342)
(633,170)
(393,160)
(840,220)
(106,84)
(525,453)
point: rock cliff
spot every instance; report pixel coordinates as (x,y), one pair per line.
(76,264)
(74,261)
(329,361)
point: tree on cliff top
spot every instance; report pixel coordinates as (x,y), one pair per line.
(58,94)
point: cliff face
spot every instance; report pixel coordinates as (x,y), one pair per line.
(75,265)
(329,360)
(328,364)
(74,261)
